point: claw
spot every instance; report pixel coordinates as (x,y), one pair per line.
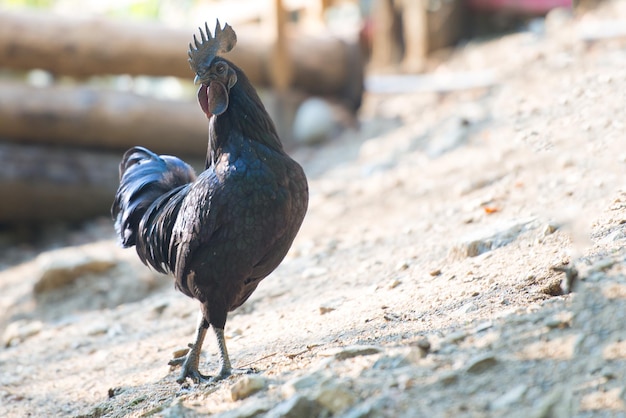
(189,369)
(194,375)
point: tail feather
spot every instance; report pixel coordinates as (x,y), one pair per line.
(147,202)
(155,230)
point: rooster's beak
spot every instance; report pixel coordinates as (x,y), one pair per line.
(196,79)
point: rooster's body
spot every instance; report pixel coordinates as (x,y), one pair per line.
(222,232)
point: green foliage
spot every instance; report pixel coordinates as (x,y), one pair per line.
(137,9)
(28,3)
(146,9)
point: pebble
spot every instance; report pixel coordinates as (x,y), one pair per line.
(511,397)
(180,352)
(483,326)
(490,238)
(423,346)
(335,398)
(481,363)
(556,404)
(602,265)
(403,265)
(246,386)
(249,409)
(301,384)
(556,322)
(448,378)
(326,309)
(176,409)
(394,283)
(344,353)
(435,272)
(19,331)
(455,337)
(97,329)
(297,406)
(331,305)
(314,122)
(467,308)
(61,267)
(549,229)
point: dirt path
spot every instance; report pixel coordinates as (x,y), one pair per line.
(422,282)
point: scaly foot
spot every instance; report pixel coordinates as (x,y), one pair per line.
(189,365)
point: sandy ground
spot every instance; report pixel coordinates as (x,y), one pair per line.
(422,283)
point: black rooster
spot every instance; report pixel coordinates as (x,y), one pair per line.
(222,232)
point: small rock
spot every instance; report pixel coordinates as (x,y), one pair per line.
(19,331)
(448,378)
(397,361)
(314,122)
(602,265)
(467,308)
(113,392)
(159,307)
(301,384)
(549,229)
(180,352)
(98,329)
(558,403)
(297,406)
(557,322)
(511,397)
(435,272)
(176,410)
(246,386)
(61,267)
(335,398)
(344,353)
(394,283)
(250,409)
(326,309)
(403,265)
(331,305)
(377,406)
(423,344)
(481,363)
(455,337)
(419,349)
(483,326)
(490,238)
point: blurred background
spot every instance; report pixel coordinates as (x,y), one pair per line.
(80,82)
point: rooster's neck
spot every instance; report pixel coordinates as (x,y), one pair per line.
(246,118)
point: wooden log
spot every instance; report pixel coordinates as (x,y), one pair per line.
(322,65)
(89,118)
(43,183)
(46,183)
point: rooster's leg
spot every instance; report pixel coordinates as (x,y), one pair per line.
(191,361)
(226,368)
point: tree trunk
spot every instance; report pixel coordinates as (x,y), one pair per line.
(41,183)
(323,65)
(45,183)
(89,118)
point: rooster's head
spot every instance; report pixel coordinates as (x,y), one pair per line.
(213,72)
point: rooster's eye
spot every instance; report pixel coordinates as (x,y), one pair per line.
(220,68)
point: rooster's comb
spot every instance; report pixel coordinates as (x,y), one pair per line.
(223,40)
